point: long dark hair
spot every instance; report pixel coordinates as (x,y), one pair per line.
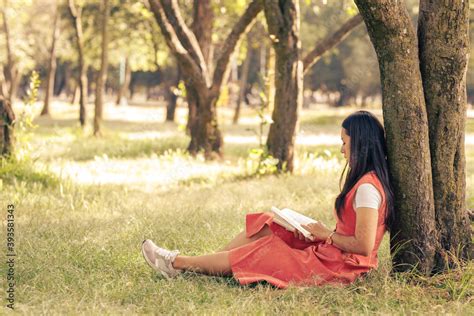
(368,152)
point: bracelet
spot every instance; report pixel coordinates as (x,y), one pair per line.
(329,239)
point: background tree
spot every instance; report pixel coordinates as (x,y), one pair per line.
(283,26)
(75,12)
(102,77)
(205,134)
(7,122)
(11,71)
(52,64)
(288,95)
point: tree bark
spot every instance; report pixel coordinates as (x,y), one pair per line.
(76,16)
(191,97)
(406,125)
(283,20)
(102,77)
(7,122)
(205,133)
(51,66)
(202,89)
(270,79)
(203,21)
(330,42)
(443,32)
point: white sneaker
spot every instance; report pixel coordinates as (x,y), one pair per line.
(160,259)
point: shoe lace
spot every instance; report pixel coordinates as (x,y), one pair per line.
(168,255)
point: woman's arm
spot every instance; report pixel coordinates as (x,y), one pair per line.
(362,242)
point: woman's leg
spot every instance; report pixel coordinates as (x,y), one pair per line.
(212,264)
(217,263)
(241,239)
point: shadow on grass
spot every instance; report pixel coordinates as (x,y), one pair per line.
(46,123)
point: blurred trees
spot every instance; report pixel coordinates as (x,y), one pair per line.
(346,75)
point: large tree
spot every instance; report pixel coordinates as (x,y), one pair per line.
(203,82)
(443,35)
(283,26)
(424,115)
(102,77)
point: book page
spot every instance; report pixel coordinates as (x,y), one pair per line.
(295,221)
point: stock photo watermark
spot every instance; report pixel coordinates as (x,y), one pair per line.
(10,256)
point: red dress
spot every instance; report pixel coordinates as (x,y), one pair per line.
(281,259)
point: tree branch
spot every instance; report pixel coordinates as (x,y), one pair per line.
(242,26)
(186,36)
(330,41)
(274,16)
(72,9)
(176,46)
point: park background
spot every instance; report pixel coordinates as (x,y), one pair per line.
(87,192)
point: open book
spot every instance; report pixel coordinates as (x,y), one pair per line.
(292,221)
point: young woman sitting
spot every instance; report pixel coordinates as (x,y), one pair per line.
(266,251)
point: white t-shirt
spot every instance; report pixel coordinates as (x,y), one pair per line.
(367,196)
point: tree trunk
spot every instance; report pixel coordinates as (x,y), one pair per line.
(283,19)
(76,15)
(172,97)
(7,121)
(102,77)
(243,81)
(270,80)
(205,133)
(122,94)
(51,67)
(11,73)
(443,31)
(203,20)
(414,237)
(191,98)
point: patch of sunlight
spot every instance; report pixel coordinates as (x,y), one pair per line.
(469,139)
(240,139)
(302,139)
(320,139)
(148,135)
(146,174)
(310,164)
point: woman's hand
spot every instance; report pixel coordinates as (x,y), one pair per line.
(300,236)
(318,230)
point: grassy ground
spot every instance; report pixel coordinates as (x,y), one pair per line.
(83,206)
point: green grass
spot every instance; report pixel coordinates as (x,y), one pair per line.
(78,246)
(78,251)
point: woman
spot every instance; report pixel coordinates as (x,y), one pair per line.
(268,252)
